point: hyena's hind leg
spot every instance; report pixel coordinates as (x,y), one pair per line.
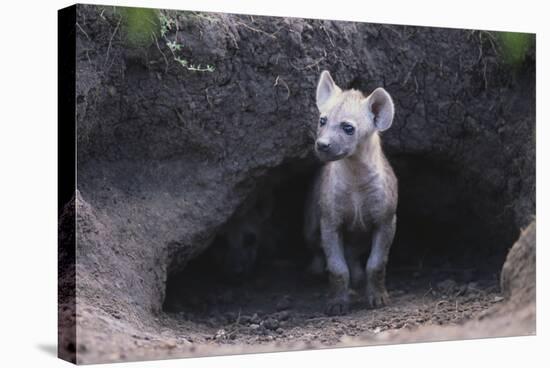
(317,266)
(312,234)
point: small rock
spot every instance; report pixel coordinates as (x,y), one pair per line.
(283,315)
(271,324)
(447,285)
(171,343)
(254,326)
(255,319)
(498,298)
(245,319)
(221,334)
(461,290)
(280,331)
(283,303)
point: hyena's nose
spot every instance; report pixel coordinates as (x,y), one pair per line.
(323,146)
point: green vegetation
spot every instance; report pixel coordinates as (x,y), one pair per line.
(145,27)
(193,67)
(169,24)
(139,24)
(514,46)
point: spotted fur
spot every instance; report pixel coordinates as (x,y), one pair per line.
(351,207)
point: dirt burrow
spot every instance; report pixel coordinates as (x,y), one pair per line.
(167,156)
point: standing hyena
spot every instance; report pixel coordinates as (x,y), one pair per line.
(354,197)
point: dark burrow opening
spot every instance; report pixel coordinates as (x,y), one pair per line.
(449,227)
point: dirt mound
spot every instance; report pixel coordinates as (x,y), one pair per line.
(518,278)
(167,155)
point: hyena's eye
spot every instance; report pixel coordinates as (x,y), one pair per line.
(322,120)
(347,128)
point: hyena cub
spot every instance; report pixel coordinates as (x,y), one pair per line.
(351,208)
(236,248)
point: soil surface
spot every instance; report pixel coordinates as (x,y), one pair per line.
(283,310)
(282,306)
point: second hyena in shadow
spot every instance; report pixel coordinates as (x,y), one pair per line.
(351,208)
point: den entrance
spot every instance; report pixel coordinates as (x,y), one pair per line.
(252,283)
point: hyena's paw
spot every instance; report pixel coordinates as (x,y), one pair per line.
(377,298)
(337,306)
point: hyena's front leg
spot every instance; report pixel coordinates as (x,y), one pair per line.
(331,241)
(382,238)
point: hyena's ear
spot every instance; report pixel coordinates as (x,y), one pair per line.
(326,88)
(380,108)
